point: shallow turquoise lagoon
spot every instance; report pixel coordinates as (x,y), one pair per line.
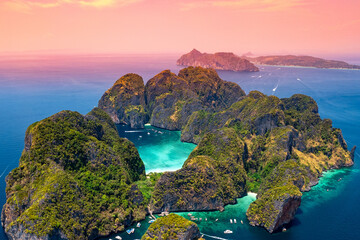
(161,150)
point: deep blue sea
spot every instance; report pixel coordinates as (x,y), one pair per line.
(35,87)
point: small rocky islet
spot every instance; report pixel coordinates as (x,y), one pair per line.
(77,179)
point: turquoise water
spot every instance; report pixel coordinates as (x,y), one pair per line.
(34,88)
(161,150)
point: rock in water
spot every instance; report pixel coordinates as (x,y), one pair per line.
(75,180)
(352,153)
(125,101)
(172,227)
(275,208)
(220,61)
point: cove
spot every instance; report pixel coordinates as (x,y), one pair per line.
(161,150)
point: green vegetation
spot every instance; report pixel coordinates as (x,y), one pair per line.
(265,210)
(171,227)
(125,101)
(147,185)
(78,178)
(211,177)
(75,176)
(260,144)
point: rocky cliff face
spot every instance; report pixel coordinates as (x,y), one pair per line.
(220,61)
(172,227)
(171,99)
(276,208)
(125,101)
(168,100)
(74,180)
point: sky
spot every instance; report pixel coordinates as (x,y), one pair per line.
(313,27)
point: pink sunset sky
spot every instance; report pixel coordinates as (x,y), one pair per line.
(314,27)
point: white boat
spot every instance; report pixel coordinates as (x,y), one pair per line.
(118,237)
(228,231)
(231,221)
(241,221)
(151,221)
(130,231)
(234,220)
(216,220)
(138,225)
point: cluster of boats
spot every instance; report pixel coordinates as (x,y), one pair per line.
(132,230)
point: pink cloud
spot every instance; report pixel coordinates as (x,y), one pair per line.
(27,5)
(258,5)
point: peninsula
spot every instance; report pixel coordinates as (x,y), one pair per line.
(219,61)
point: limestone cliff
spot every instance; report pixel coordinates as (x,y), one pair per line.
(220,61)
(75,180)
(172,227)
(125,101)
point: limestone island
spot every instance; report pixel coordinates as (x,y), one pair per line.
(219,61)
(172,227)
(77,179)
(300,61)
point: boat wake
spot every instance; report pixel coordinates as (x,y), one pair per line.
(4,171)
(215,237)
(277,85)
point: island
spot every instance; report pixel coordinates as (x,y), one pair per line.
(172,227)
(300,61)
(220,61)
(77,179)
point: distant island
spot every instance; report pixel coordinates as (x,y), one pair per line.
(246,63)
(77,179)
(219,61)
(301,61)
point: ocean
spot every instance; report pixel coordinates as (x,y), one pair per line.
(35,87)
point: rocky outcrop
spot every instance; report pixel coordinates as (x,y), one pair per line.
(168,100)
(220,61)
(125,101)
(275,208)
(171,98)
(352,153)
(302,61)
(172,227)
(74,180)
